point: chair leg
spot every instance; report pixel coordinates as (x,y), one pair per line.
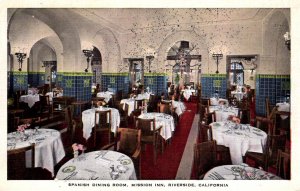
(154,152)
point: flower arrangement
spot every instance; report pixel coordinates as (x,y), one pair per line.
(101,103)
(234,119)
(76,148)
(21,128)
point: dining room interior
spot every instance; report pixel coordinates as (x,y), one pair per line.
(149,94)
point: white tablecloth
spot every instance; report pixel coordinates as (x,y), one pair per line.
(179,107)
(33,91)
(161,119)
(283,107)
(88,120)
(143,96)
(98,165)
(187,93)
(30,99)
(239,141)
(237,95)
(238,172)
(214,101)
(222,113)
(130,103)
(50,94)
(107,95)
(49,148)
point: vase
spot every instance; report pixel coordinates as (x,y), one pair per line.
(75,154)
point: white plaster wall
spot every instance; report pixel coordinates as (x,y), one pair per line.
(275,58)
(227,38)
(40,52)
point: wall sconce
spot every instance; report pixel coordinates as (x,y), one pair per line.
(287,39)
(88,54)
(217,57)
(20,57)
(149,58)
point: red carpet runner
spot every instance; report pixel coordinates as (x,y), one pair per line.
(168,162)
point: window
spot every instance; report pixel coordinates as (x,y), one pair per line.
(236,73)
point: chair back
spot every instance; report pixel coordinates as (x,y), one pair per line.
(205,101)
(274,144)
(147,126)
(283,165)
(130,140)
(103,119)
(267,107)
(16,162)
(233,101)
(204,133)
(265,124)
(244,116)
(165,107)
(210,118)
(204,157)
(203,111)
(138,104)
(44,100)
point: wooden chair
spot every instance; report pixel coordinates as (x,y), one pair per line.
(283,165)
(123,110)
(102,125)
(165,107)
(223,154)
(16,162)
(268,107)
(233,101)
(204,132)
(282,123)
(45,106)
(129,143)
(203,112)
(265,124)
(68,138)
(16,165)
(205,101)
(150,134)
(269,155)
(204,157)
(244,115)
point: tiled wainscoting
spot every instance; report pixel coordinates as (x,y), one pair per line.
(18,81)
(212,82)
(115,82)
(275,87)
(75,84)
(157,82)
(36,78)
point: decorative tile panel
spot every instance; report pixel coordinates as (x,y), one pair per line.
(275,87)
(212,82)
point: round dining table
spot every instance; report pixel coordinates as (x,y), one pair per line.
(222,112)
(49,149)
(88,120)
(161,119)
(238,172)
(98,165)
(240,138)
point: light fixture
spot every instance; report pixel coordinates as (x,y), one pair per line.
(149,58)
(217,57)
(287,39)
(20,57)
(88,54)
